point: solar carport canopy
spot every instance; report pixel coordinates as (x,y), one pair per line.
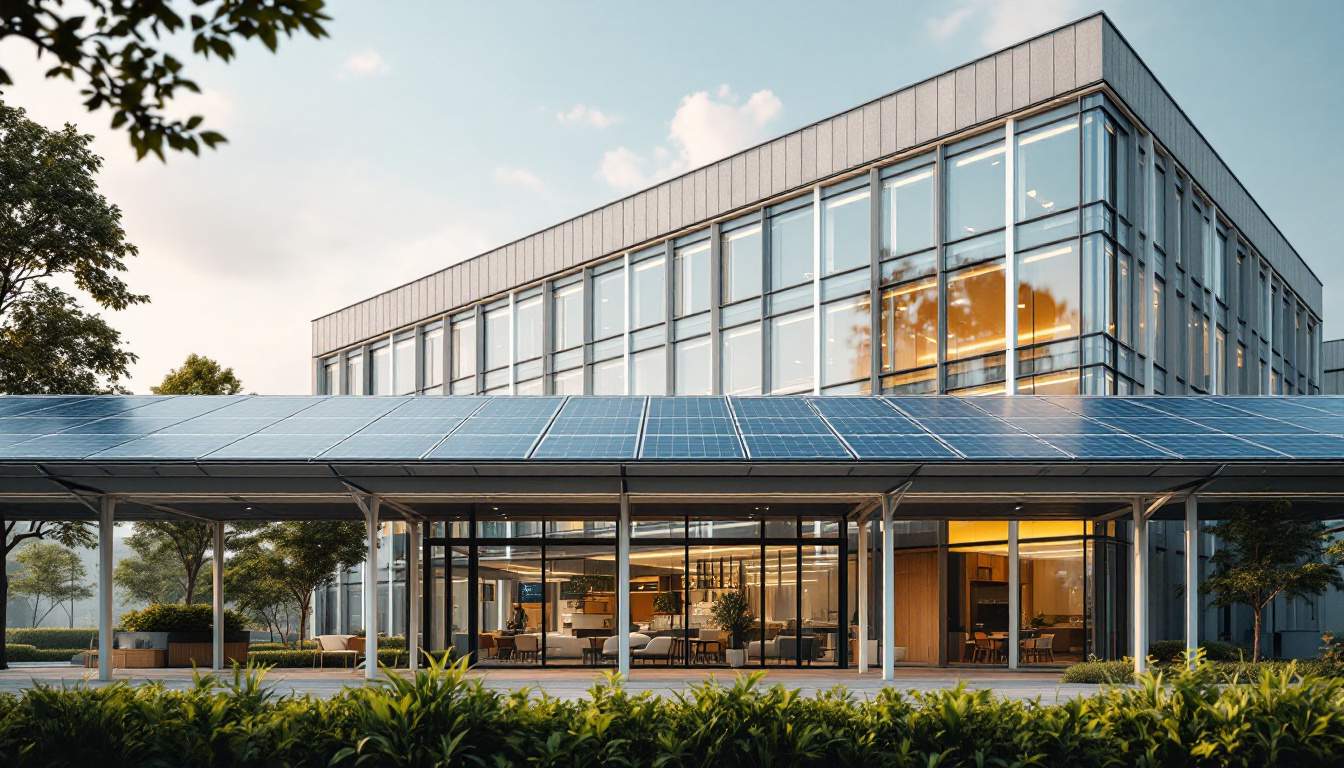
(489,448)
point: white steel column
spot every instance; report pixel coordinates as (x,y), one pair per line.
(1139,581)
(1191,576)
(862,576)
(106,511)
(1009,260)
(217,573)
(888,590)
(513,345)
(390,538)
(623,589)
(1014,596)
(816,290)
(339,628)
(1150,266)
(413,617)
(370,571)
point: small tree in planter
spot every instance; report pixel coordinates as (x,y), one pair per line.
(732,613)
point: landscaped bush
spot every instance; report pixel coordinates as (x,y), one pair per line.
(291,658)
(440,717)
(53,637)
(163,617)
(25,652)
(1222,671)
(1094,671)
(273,646)
(1168,651)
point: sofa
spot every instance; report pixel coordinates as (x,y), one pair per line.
(637,641)
(786,647)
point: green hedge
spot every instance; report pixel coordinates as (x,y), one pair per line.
(164,617)
(272,646)
(440,717)
(53,637)
(388,657)
(1223,671)
(25,652)
(1168,651)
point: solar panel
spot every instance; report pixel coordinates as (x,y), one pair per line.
(586,447)
(1188,407)
(304,425)
(783,426)
(1105,447)
(1270,407)
(1334,405)
(1002,447)
(8,440)
(1305,446)
(1249,425)
(603,406)
(689,426)
(118,425)
(696,407)
(185,407)
(1157,425)
(1025,406)
(161,446)
(98,406)
(1069,425)
(63,446)
(1212,447)
(770,407)
(425,425)
(296,447)
(14,405)
(39,425)
(875,425)
(459,446)
(949,407)
(215,425)
(691,447)
(1102,406)
(898,447)
(278,407)
(956,425)
(437,407)
(355,406)
(595,425)
(795,447)
(1332,425)
(363,446)
(479,425)
(520,407)
(852,407)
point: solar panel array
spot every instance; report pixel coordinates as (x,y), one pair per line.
(556,428)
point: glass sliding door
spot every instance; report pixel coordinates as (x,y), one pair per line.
(1053,581)
(977,592)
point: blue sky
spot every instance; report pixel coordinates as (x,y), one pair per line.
(421,133)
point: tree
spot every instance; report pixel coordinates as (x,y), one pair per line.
(1263,552)
(70,534)
(55,225)
(303,555)
(153,574)
(255,582)
(169,558)
(199,375)
(52,572)
(118,52)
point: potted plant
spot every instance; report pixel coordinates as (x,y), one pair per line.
(186,631)
(732,613)
(668,603)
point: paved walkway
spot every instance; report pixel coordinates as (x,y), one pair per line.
(574,683)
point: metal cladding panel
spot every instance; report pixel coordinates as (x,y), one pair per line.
(807,155)
(887,120)
(764,169)
(1065,61)
(839,143)
(854,137)
(726,184)
(751,185)
(675,197)
(986,90)
(1021,76)
(1087,50)
(947,103)
(699,196)
(965,97)
(905,119)
(712,202)
(1003,83)
(825,149)
(926,111)
(793,160)
(1042,69)
(778,167)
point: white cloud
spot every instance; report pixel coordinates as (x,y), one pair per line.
(1003,22)
(581,114)
(369,63)
(705,127)
(518,177)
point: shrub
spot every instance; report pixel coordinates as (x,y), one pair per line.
(163,617)
(1170,651)
(24,652)
(389,657)
(271,646)
(1094,671)
(53,637)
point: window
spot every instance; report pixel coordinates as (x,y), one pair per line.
(380,371)
(693,367)
(609,377)
(431,345)
(331,376)
(568,311)
(845,231)
(740,360)
(649,291)
(497,337)
(1047,294)
(527,329)
(1160,206)
(608,305)
(846,332)
(691,291)
(1047,169)
(464,351)
(791,353)
(975,311)
(650,372)
(1124,282)
(403,366)
(568,382)
(741,263)
(975,202)
(1159,323)
(791,248)
(1098,271)
(910,325)
(907,212)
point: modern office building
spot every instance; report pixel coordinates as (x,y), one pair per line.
(1044,220)
(1332,368)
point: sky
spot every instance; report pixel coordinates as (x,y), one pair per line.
(422,133)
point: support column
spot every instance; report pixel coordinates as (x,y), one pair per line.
(888,590)
(106,511)
(1010,258)
(370,571)
(623,589)
(217,574)
(413,617)
(1191,576)
(862,578)
(1014,596)
(1139,582)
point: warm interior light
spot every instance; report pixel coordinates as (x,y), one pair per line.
(1064,127)
(983,154)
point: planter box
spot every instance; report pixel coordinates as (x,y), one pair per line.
(187,654)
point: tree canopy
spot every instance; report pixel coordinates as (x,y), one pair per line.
(54,224)
(68,533)
(1264,552)
(199,375)
(119,53)
(50,572)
